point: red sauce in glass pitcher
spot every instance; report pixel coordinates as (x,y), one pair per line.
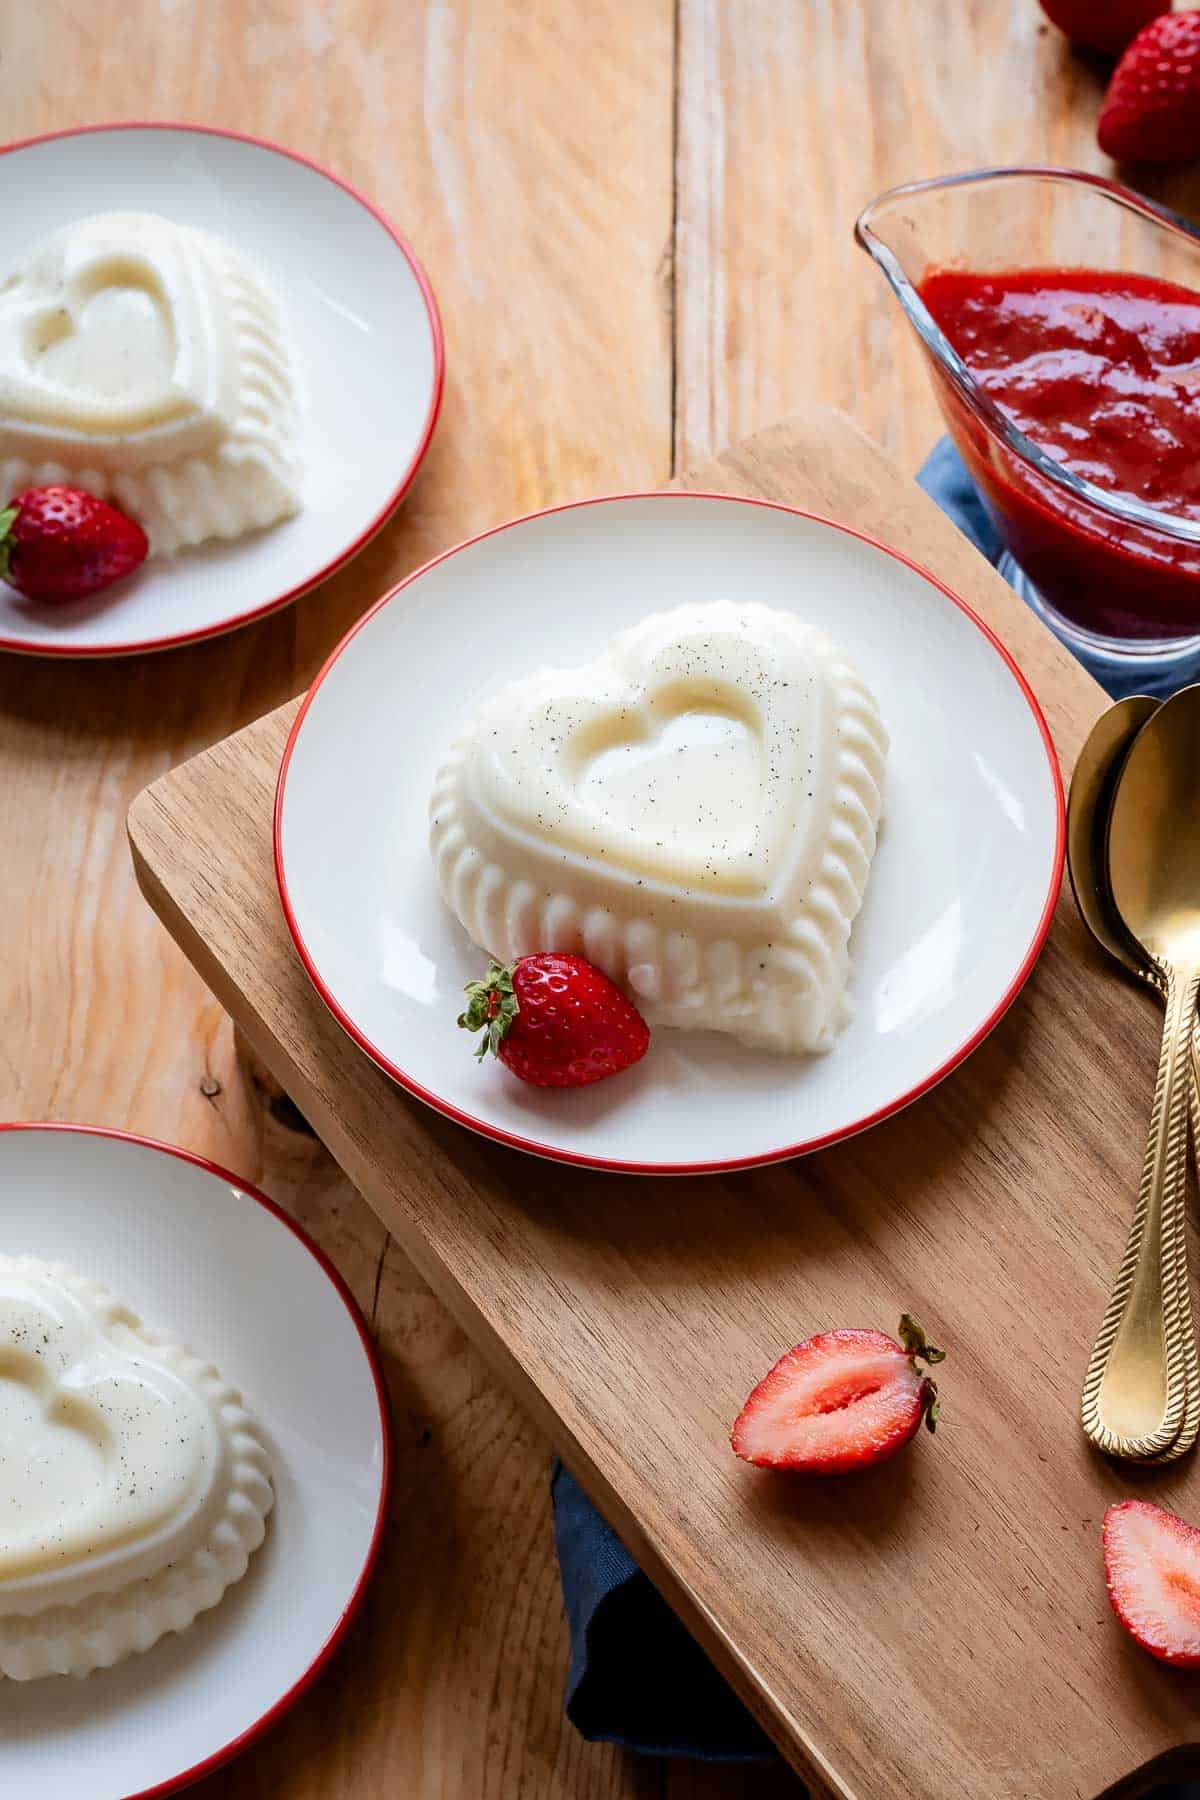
(1102,371)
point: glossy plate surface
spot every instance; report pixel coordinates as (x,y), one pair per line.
(366,345)
(960,895)
(216,1265)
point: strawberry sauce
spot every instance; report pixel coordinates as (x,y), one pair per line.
(1102,371)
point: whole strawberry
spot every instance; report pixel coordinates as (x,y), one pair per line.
(1103,25)
(555,1020)
(1151,111)
(840,1401)
(60,543)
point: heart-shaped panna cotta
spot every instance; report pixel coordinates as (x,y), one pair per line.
(133,1485)
(695,812)
(144,361)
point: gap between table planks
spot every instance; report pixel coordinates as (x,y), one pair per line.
(888,1635)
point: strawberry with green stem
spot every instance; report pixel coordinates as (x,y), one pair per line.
(61,543)
(840,1401)
(554,1020)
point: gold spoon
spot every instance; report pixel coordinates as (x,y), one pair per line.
(1097,771)
(1092,788)
(1136,1391)
(1090,801)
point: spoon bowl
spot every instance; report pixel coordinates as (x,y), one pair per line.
(1093,786)
(1154,834)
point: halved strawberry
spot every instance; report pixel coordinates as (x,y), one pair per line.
(1152,1566)
(839,1401)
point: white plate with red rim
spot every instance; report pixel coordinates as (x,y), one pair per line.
(366,344)
(960,894)
(208,1258)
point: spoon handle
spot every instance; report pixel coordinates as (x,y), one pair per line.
(1137,1387)
(1189,1430)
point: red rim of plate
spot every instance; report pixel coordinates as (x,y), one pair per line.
(174,1783)
(435,402)
(578,1158)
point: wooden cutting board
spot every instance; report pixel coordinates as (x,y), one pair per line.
(937,1627)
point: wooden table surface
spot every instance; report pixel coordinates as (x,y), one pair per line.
(636,215)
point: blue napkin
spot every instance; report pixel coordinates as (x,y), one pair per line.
(637,1678)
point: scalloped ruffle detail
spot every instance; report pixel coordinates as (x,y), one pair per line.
(104,1628)
(250,480)
(785,991)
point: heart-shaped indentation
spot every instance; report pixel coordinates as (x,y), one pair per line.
(110,335)
(673,771)
(734,813)
(134,1486)
(106,1446)
(114,328)
(146,361)
(695,811)
(58,1452)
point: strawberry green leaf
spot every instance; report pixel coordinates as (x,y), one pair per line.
(7,521)
(491,1008)
(915,1342)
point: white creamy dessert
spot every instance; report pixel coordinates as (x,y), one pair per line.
(133,1484)
(145,361)
(695,812)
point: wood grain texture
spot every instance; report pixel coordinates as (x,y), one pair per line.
(526,148)
(792,115)
(466,123)
(630,1317)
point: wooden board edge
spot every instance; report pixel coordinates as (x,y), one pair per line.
(266,735)
(784,1732)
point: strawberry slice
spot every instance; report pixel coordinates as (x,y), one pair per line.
(1152,1565)
(840,1401)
